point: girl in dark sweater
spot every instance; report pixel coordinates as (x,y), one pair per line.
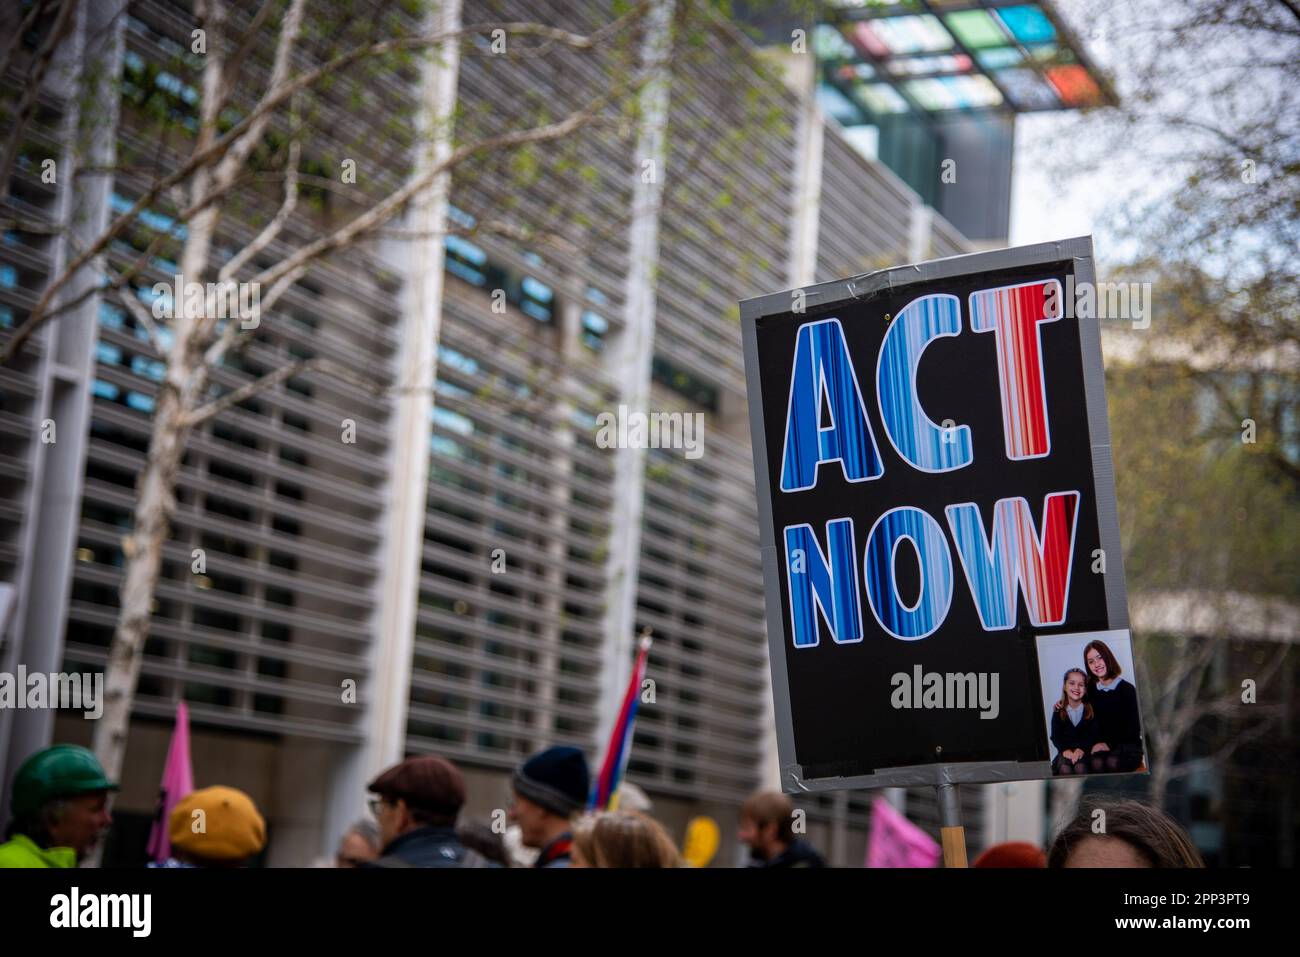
(1074,725)
(1114,702)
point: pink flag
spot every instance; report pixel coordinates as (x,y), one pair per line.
(177,781)
(897,842)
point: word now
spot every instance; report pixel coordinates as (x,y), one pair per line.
(1036,558)
(1038,562)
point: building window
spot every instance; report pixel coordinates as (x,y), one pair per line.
(594,328)
(108,354)
(105,390)
(536,299)
(699,392)
(140,402)
(466,260)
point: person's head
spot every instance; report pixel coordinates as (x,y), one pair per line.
(216,827)
(419,792)
(549,788)
(360,843)
(519,854)
(60,799)
(1012,854)
(1124,834)
(1101,663)
(767,823)
(621,839)
(480,837)
(634,799)
(1074,687)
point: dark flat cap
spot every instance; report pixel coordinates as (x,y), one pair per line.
(431,783)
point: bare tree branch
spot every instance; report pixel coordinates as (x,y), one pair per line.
(16,39)
(28,226)
(339,373)
(143,317)
(35,79)
(244,46)
(281,276)
(1187,666)
(1181,717)
(243,145)
(1230,701)
(217,351)
(121,278)
(513,231)
(1266,724)
(273,228)
(220,146)
(1186,122)
(1292,6)
(272,379)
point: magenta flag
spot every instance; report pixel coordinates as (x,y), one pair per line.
(897,842)
(177,781)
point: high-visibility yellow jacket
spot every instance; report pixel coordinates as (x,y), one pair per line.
(22,851)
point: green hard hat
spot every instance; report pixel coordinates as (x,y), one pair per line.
(60,771)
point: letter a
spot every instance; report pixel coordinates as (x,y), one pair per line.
(822,367)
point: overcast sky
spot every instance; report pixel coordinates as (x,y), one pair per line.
(1068,180)
(1046,203)
(1043,207)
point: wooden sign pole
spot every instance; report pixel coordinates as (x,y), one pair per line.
(951,832)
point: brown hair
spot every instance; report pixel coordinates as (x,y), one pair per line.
(623,839)
(1113,670)
(1064,703)
(1149,831)
(771,807)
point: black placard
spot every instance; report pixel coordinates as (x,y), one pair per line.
(841,696)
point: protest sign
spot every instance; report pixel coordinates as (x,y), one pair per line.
(935,489)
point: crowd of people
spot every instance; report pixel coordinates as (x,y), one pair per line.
(60,811)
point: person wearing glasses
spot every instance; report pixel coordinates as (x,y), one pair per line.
(416,808)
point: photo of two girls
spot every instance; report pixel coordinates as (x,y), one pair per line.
(1094,724)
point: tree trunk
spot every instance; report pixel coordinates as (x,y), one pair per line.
(1064,797)
(155,506)
(1158,782)
(154,510)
